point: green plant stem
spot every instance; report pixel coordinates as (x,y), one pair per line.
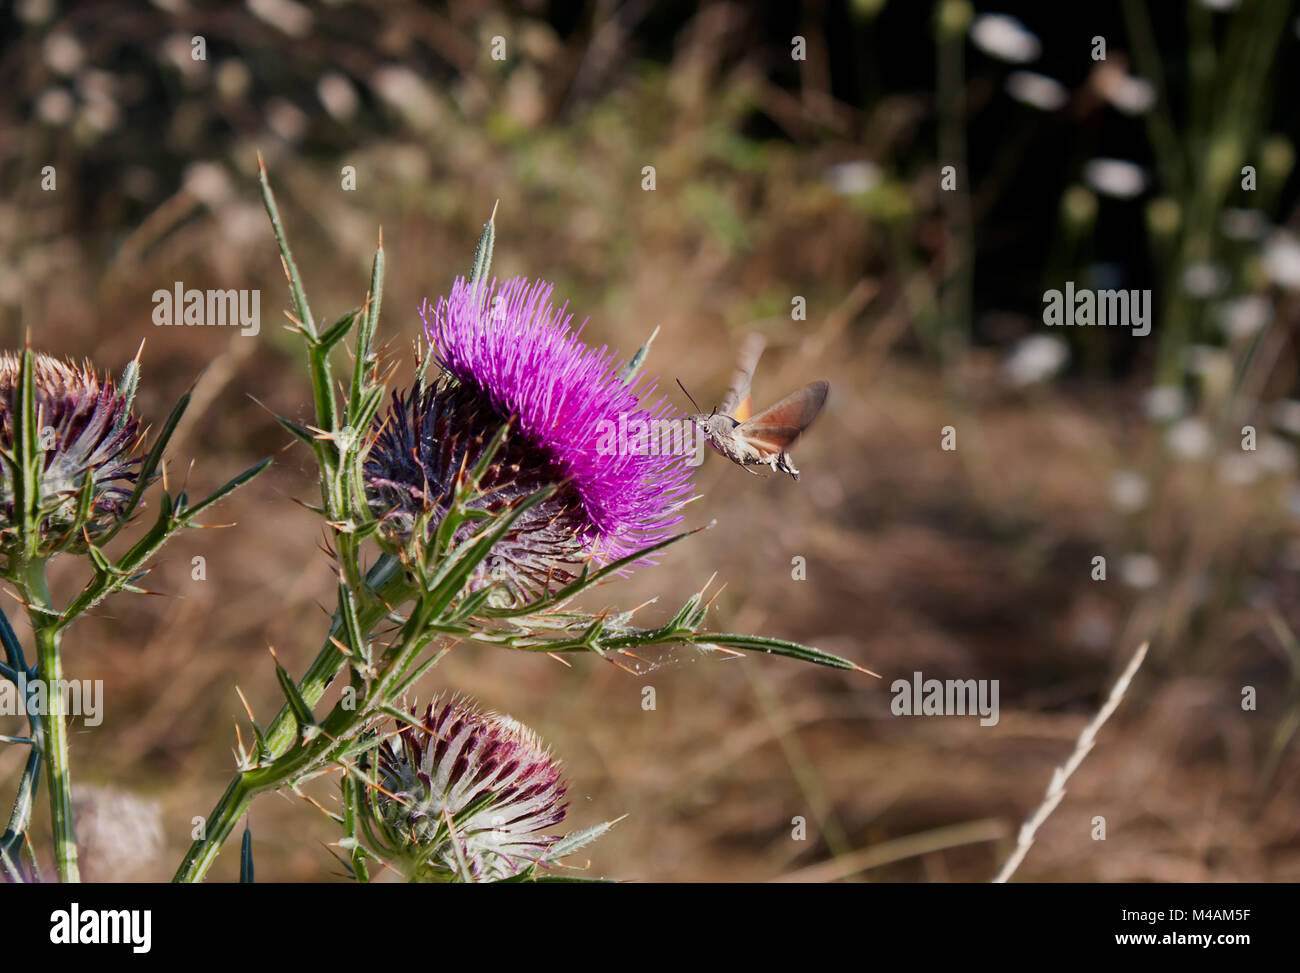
(58,777)
(388,583)
(220,822)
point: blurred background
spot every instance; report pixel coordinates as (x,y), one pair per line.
(776,178)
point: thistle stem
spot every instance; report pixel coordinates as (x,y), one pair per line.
(220,822)
(388,585)
(386,580)
(58,777)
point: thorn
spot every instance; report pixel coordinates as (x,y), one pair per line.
(350,873)
(560,659)
(247,709)
(628,669)
(858,668)
(319,807)
(493,218)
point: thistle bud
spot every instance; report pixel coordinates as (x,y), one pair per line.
(467,795)
(85,431)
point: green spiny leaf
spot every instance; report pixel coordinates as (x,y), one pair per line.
(301,711)
(335,332)
(28,458)
(228,488)
(13,648)
(483,252)
(353,637)
(769,646)
(296,291)
(150,465)
(127,385)
(630,370)
(246,856)
(365,354)
(576,840)
(298,431)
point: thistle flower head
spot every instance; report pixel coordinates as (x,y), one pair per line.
(468,794)
(508,353)
(86,429)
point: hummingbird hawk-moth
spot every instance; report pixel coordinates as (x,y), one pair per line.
(762,439)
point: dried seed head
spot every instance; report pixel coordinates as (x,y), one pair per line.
(467,794)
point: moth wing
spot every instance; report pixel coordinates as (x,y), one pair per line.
(770,439)
(750,351)
(744,410)
(777,426)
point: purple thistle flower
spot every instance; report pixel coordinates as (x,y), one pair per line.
(508,353)
(468,794)
(86,429)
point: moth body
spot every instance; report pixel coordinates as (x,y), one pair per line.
(749,439)
(719,431)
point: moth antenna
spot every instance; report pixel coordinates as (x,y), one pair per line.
(689,396)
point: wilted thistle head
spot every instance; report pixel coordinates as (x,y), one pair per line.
(85,428)
(507,353)
(467,794)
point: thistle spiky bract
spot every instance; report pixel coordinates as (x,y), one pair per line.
(88,441)
(464,794)
(422,445)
